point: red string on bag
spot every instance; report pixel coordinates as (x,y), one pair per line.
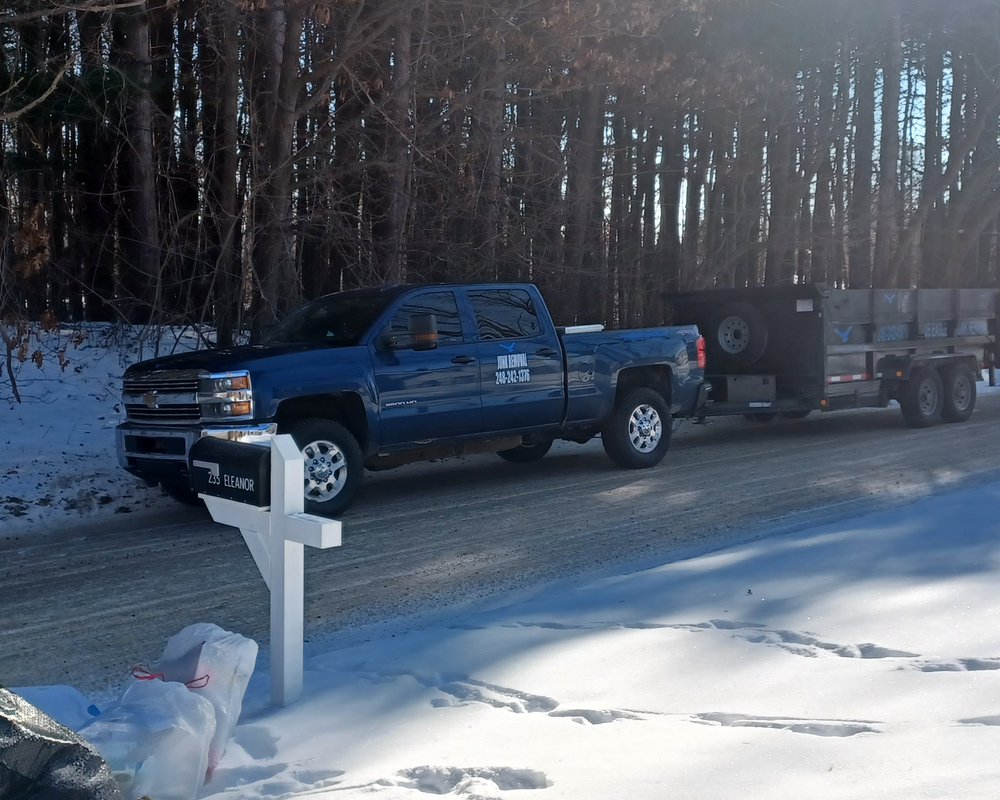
(143,674)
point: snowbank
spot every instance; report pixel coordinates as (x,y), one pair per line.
(57,447)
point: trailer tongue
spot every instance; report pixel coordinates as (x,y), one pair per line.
(795,349)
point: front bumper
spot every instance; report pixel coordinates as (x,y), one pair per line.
(160,454)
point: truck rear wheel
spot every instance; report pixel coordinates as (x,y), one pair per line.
(637,434)
(333,464)
(525,453)
(921,398)
(959,393)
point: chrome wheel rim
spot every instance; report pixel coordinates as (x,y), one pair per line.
(928,397)
(961,393)
(645,428)
(325,470)
(734,335)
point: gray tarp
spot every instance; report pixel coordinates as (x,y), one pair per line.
(43,760)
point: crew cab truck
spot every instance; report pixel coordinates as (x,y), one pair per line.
(797,349)
(376,378)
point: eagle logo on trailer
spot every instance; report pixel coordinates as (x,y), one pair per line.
(844,335)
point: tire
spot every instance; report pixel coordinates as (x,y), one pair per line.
(959,393)
(737,337)
(922,398)
(333,464)
(637,434)
(525,453)
(761,416)
(799,414)
(182,494)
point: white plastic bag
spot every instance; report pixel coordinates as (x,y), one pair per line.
(217,665)
(155,740)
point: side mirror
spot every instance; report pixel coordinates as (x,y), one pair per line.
(422,335)
(423,331)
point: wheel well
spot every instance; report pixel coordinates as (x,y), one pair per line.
(655,376)
(348,409)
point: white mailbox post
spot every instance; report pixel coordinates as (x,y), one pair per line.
(276,535)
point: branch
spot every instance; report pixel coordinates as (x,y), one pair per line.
(10,368)
(97,6)
(42,97)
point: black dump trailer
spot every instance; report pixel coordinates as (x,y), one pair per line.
(791,350)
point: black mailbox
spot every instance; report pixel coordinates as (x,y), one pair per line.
(233,470)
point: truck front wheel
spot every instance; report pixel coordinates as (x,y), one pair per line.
(921,398)
(333,464)
(637,434)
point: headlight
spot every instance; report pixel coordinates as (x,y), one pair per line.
(225,396)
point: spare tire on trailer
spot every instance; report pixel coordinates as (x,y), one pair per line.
(737,337)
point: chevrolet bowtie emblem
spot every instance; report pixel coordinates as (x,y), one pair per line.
(151,400)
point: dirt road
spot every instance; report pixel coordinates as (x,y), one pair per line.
(82,606)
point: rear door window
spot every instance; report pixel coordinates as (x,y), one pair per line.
(504,314)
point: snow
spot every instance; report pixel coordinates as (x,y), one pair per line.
(57,447)
(854,660)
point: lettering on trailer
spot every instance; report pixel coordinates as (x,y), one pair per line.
(513,368)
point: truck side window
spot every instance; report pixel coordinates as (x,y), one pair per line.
(504,314)
(441,304)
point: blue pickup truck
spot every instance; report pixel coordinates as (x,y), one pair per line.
(376,378)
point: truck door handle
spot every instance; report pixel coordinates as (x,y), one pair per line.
(462,360)
(545,351)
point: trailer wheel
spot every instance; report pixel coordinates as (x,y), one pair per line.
(333,464)
(959,393)
(525,453)
(761,416)
(737,336)
(921,398)
(637,434)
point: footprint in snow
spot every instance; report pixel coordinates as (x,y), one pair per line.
(813,727)
(472,781)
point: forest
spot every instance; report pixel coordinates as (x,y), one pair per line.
(219,161)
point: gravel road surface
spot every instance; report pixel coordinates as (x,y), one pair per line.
(83,605)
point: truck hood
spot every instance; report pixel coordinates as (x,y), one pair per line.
(223,360)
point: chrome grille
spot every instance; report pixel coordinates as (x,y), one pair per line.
(181,381)
(164,397)
(164,414)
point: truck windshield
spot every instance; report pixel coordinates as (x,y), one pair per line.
(338,319)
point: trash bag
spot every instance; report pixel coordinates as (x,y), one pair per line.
(216,665)
(155,740)
(43,760)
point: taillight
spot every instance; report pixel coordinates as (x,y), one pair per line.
(700,344)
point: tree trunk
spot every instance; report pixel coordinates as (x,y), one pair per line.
(140,275)
(888,192)
(860,206)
